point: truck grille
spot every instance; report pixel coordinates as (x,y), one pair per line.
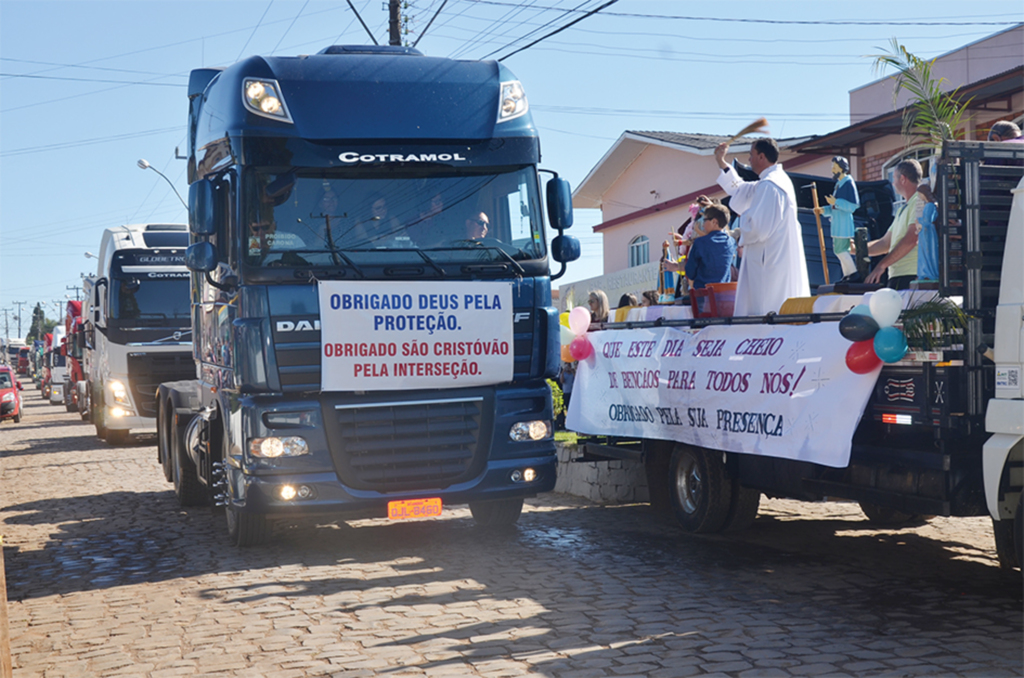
(417,445)
(146,371)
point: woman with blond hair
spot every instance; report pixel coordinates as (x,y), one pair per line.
(598,302)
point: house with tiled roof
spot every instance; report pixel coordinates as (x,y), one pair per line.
(646,181)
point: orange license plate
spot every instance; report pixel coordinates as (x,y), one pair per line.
(414,508)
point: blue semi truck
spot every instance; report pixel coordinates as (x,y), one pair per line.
(371,292)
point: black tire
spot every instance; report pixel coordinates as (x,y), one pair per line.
(17,417)
(98,420)
(657,459)
(118,436)
(165,430)
(1018,533)
(743,510)
(187,488)
(246,529)
(701,490)
(497,513)
(883,515)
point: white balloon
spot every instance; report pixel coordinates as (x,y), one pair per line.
(565,335)
(579,320)
(885,305)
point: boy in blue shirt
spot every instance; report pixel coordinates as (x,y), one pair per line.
(711,255)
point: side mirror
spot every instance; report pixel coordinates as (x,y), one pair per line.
(20,387)
(565,248)
(201,256)
(202,200)
(99,300)
(559,204)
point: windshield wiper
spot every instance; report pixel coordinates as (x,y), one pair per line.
(426,258)
(508,257)
(336,256)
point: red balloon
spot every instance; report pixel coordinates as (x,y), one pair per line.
(580,347)
(861,357)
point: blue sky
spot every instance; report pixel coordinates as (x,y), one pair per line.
(88,88)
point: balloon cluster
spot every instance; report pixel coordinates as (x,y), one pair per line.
(573,327)
(870,327)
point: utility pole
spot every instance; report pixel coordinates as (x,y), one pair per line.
(7,328)
(76,288)
(59,305)
(394,23)
(19,304)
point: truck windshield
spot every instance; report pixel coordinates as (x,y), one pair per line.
(297,218)
(139,298)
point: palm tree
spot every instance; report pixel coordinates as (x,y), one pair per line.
(931,112)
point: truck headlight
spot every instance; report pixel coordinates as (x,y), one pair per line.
(119,393)
(272,448)
(263,97)
(530,430)
(513,101)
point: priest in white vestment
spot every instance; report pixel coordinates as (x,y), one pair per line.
(773,267)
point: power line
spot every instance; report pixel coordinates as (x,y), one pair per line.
(120,82)
(88,142)
(637,15)
(564,13)
(559,30)
(505,24)
(254,29)
(301,9)
(92,68)
(427,28)
(358,16)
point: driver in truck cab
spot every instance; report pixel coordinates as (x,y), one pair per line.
(477,224)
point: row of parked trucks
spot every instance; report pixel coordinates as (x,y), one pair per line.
(328,334)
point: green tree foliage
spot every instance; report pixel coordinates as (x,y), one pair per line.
(931,113)
(40,326)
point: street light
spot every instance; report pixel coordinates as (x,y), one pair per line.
(90,255)
(144,164)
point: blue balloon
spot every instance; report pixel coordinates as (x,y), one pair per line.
(861,309)
(890,344)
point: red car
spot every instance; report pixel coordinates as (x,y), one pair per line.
(10,395)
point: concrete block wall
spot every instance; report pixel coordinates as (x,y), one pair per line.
(603,482)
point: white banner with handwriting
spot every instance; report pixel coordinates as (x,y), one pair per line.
(383,335)
(774,390)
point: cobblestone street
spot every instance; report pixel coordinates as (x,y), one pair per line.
(108,576)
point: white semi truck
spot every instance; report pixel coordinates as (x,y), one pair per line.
(137,327)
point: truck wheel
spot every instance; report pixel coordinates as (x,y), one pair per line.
(83,403)
(499,513)
(743,510)
(165,430)
(187,488)
(657,457)
(1018,532)
(98,418)
(117,436)
(701,491)
(883,515)
(246,529)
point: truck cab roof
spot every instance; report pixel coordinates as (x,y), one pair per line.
(361,92)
